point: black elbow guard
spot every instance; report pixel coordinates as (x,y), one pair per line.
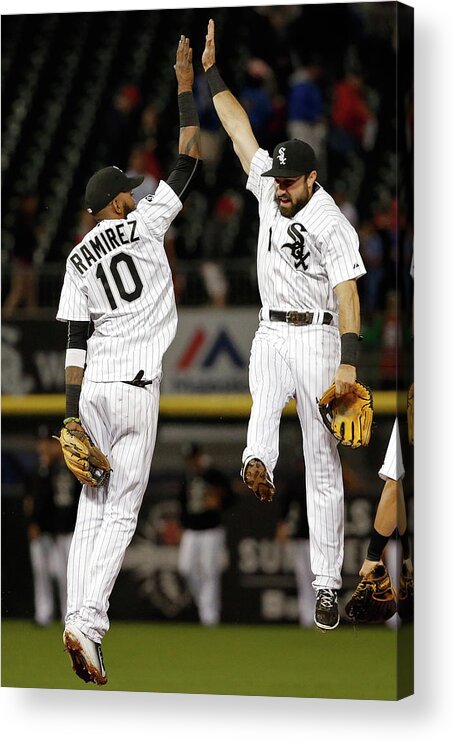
(183,175)
(78,334)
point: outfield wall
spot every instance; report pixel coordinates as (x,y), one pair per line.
(258,579)
(205,370)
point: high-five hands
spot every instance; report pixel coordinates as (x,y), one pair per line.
(184,65)
(208,55)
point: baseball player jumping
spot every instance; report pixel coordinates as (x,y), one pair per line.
(308,261)
(119,278)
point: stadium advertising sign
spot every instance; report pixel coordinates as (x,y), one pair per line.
(33,357)
(210,353)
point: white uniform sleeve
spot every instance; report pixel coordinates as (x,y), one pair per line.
(73,304)
(340,245)
(260,162)
(159,209)
(393,468)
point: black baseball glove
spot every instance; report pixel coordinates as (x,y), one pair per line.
(374,599)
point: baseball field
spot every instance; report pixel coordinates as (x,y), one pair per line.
(228,660)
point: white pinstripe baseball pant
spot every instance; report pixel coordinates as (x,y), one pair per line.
(122,420)
(288,361)
(201,558)
(49,557)
(304,578)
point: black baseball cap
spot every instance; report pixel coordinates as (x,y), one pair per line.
(291,159)
(105,185)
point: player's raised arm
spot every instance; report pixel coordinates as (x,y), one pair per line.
(183,175)
(231,113)
(190,139)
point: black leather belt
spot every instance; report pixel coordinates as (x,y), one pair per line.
(297,318)
(139,381)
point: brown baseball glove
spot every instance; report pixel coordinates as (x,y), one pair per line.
(374,599)
(349,418)
(83,458)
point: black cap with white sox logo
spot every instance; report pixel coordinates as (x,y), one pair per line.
(292,159)
(105,185)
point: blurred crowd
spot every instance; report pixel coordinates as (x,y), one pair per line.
(332,95)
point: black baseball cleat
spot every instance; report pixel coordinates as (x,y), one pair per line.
(405,597)
(86,656)
(326,615)
(257,478)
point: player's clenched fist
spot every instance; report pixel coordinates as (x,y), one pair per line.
(208,55)
(345,378)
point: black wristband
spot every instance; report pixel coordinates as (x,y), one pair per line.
(187,110)
(349,348)
(73,392)
(377,544)
(215,81)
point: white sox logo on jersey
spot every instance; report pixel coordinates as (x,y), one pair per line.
(296,233)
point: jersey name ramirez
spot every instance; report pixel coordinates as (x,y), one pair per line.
(95,247)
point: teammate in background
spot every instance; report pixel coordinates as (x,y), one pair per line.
(205,495)
(50,508)
(308,261)
(26,235)
(390,516)
(120,279)
(293,526)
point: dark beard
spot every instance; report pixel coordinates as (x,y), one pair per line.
(290,211)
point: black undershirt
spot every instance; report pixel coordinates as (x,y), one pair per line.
(78,333)
(183,174)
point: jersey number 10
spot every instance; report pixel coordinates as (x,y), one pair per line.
(121,257)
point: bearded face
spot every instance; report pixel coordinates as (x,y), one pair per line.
(292,194)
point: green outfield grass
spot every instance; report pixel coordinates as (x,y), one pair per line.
(226,660)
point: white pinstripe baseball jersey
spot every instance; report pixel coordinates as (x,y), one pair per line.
(301,260)
(119,277)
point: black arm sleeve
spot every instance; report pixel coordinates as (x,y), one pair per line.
(78,333)
(183,175)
